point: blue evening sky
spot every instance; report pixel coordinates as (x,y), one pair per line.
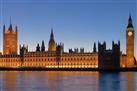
(76,23)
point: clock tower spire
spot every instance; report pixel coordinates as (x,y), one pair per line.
(130,62)
(130,25)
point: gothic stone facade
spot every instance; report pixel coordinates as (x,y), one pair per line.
(10,38)
(55,57)
(50,60)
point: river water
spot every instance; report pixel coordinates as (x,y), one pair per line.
(67,81)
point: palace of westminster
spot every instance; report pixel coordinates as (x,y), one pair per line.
(56,57)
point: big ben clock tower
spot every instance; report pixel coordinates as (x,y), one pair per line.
(130,44)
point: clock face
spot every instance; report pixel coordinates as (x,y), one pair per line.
(130,33)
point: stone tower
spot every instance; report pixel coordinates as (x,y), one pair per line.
(10,40)
(109,59)
(130,44)
(51,45)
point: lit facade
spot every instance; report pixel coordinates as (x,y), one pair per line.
(55,56)
(10,38)
(130,44)
(51,45)
(50,60)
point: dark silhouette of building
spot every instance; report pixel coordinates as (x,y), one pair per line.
(94,47)
(109,59)
(59,49)
(43,46)
(59,52)
(23,49)
(71,51)
(38,48)
(81,50)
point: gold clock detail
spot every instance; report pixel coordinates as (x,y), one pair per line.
(130,33)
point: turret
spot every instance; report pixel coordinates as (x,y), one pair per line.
(10,28)
(94,48)
(59,49)
(101,47)
(52,35)
(116,46)
(81,50)
(23,50)
(119,43)
(104,44)
(76,50)
(38,48)
(70,51)
(43,46)
(4,28)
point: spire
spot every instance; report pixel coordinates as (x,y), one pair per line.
(43,46)
(94,47)
(119,43)
(52,35)
(38,48)
(51,45)
(3,28)
(10,27)
(130,25)
(104,44)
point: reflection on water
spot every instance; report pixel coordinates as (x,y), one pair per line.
(67,81)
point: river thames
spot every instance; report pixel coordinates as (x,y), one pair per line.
(67,81)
